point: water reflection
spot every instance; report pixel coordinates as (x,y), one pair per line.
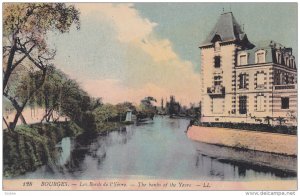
(64,148)
(159,149)
(240,166)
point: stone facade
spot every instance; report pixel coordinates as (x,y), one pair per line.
(246,83)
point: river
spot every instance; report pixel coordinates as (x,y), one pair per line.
(157,149)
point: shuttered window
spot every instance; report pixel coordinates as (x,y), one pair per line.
(243,59)
(260,103)
(243,104)
(260,80)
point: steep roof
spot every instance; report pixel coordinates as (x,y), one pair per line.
(270,47)
(226,29)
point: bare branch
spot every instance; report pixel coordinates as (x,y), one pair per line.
(21,59)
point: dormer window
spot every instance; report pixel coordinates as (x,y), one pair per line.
(243,59)
(292,63)
(260,56)
(217,61)
(217,46)
(287,61)
(278,57)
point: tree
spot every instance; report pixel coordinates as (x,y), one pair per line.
(173,107)
(122,109)
(61,94)
(25,27)
(105,112)
(147,109)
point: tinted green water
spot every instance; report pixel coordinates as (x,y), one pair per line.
(157,149)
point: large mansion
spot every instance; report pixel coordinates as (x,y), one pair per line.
(245,82)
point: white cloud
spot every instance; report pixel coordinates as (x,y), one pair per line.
(118,56)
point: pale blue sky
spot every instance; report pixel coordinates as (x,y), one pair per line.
(130,51)
(187,24)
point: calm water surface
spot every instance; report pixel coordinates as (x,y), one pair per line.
(156,149)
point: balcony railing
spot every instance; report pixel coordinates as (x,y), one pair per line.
(216,91)
(285,86)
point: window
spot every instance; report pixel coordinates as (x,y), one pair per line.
(217,80)
(285,102)
(243,59)
(243,81)
(260,80)
(287,61)
(260,57)
(217,61)
(292,80)
(286,79)
(278,57)
(260,103)
(217,46)
(292,63)
(243,104)
(281,79)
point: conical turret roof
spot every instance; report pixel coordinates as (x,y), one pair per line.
(226,29)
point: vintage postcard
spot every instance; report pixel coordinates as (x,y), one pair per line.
(149,96)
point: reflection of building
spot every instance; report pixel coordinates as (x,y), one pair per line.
(242,82)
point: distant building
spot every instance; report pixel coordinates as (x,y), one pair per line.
(243,82)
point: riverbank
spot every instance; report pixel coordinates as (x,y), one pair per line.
(243,139)
(31,146)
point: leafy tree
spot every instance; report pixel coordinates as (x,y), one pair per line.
(105,112)
(122,109)
(173,107)
(61,94)
(146,108)
(25,27)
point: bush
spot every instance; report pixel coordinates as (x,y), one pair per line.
(292,130)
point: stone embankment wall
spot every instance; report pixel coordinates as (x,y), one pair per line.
(252,140)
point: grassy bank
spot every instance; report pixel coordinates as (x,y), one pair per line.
(31,146)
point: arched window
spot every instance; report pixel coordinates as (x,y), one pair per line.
(260,56)
(292,62)
(278,56)
(287,61)
(217,46)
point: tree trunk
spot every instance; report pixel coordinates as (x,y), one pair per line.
(23,119)
(9,66)
(8,128)
(19,108)
(14,123)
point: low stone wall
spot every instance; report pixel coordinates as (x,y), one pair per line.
(260,141)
